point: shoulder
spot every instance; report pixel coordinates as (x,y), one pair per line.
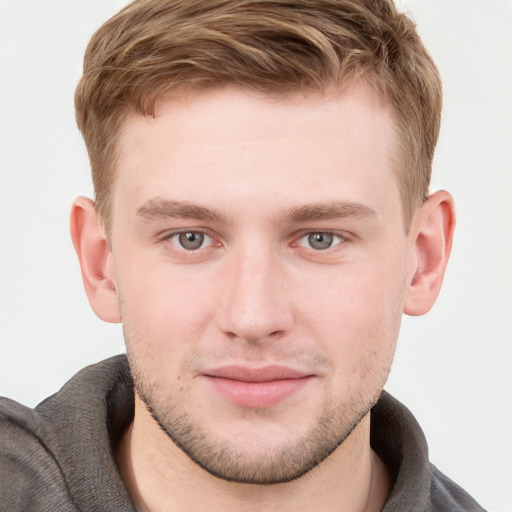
(398,439)
(447,496)
(58,456)
(28,469)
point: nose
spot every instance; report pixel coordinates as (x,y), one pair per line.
(254,302)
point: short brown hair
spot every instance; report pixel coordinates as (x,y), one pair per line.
(156,47)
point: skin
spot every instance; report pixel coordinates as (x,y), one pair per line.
(260,184)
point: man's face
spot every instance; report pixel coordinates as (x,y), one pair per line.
(260,261)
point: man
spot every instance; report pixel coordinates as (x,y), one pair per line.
(262,220)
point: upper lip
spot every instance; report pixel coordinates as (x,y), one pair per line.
(264,374)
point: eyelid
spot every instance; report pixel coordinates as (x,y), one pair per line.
(342,236)
(168,235)
(175,239)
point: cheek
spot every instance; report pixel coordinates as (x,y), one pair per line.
(160,306)
(162,330)
(357,312)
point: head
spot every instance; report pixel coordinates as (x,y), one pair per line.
(157,48)
(261,224)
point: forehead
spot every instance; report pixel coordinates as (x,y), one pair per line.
(256,113)
(254,146)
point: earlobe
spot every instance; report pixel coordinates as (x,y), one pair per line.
(431,242)
(95,257)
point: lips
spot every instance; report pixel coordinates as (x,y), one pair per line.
(257,388)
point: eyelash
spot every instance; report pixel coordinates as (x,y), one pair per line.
(334,243)
(338,239)
(179,247)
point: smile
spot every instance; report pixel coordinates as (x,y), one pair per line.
(256,388)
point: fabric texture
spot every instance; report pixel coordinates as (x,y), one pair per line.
(59,456)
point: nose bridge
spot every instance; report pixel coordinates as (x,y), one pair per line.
(254,301)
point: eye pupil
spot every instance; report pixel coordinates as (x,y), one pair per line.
(191,240)
(320,241)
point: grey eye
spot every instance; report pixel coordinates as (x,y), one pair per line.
(320,241)
(191,240)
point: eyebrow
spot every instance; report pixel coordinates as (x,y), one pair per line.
(162,208)
(326,211)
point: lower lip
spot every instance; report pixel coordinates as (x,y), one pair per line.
(257,395)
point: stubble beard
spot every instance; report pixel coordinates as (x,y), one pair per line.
(231,461)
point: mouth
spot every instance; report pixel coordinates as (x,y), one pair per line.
(256,388)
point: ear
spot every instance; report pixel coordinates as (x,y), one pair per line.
(431,242)
(96,262)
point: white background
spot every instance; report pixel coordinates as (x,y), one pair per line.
(453,366)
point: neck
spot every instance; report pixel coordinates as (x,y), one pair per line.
(159,476)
